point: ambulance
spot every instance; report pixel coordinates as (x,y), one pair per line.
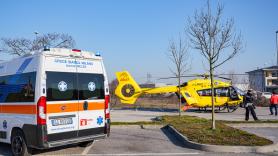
(53,97)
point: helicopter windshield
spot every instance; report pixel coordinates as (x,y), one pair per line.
(239,91)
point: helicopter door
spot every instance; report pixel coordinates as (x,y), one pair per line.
(221,95)
(233,94)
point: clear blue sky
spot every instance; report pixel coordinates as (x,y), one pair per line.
(134,35)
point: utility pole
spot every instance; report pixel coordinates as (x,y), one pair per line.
(0,52)
(149,77)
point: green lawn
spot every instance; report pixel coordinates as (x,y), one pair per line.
(198,130)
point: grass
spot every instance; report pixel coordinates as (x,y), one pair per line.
(199,130)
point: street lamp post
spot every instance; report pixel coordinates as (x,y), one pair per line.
(277,46)
(36,33)
(1,51)
(277,52)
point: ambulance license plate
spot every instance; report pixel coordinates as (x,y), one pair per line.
(61,121)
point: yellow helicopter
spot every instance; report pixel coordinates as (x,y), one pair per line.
(194,93)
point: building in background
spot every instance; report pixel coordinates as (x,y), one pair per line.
(264,79)
(242,86)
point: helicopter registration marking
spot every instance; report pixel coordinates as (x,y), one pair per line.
(124,77)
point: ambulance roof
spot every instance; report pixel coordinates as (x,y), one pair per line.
(60,52)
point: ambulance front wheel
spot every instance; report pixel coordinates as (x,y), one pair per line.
(18,144)
(86,144)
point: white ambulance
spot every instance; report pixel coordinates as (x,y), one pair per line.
(52,98)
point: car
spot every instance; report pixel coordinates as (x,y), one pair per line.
(267,95)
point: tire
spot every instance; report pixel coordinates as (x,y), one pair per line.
(18,144)
(86,144)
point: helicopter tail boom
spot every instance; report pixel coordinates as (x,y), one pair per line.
(128,90)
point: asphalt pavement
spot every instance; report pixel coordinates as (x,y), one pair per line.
(151,140)
(133,141)
(133,115)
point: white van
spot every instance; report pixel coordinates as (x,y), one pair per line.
(52,98)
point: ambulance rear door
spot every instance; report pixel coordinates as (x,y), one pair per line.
(62,116)
(91,95)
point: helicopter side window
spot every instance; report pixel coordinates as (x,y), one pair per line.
(218,91)
(205,92)
(200,92)
(222,92)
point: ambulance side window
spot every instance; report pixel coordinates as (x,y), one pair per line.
(18,87)
(2,89)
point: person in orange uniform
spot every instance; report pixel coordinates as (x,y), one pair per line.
(273,103)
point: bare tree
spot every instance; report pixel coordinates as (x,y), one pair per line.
(216,40)
(112,87)
(233,77)
(22,46)
(179,55)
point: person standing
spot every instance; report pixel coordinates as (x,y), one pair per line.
(249,105)
(273,103)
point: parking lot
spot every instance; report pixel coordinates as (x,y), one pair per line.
(125,140)
(130,140)
(151,140)
(133,115)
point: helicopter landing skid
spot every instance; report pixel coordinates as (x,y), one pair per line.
(221,109)
(229,109)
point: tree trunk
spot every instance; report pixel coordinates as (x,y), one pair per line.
(179,79)
(212,97)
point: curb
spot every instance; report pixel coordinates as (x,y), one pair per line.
(251,125)
(221,148)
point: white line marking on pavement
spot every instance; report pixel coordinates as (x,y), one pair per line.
(142,154)
(87,149)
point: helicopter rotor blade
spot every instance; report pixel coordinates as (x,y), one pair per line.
(193,75)
(175,77)
(206,76)
(225,78)
(234,74)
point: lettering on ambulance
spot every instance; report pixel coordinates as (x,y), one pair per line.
(85,122)
(74,63)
